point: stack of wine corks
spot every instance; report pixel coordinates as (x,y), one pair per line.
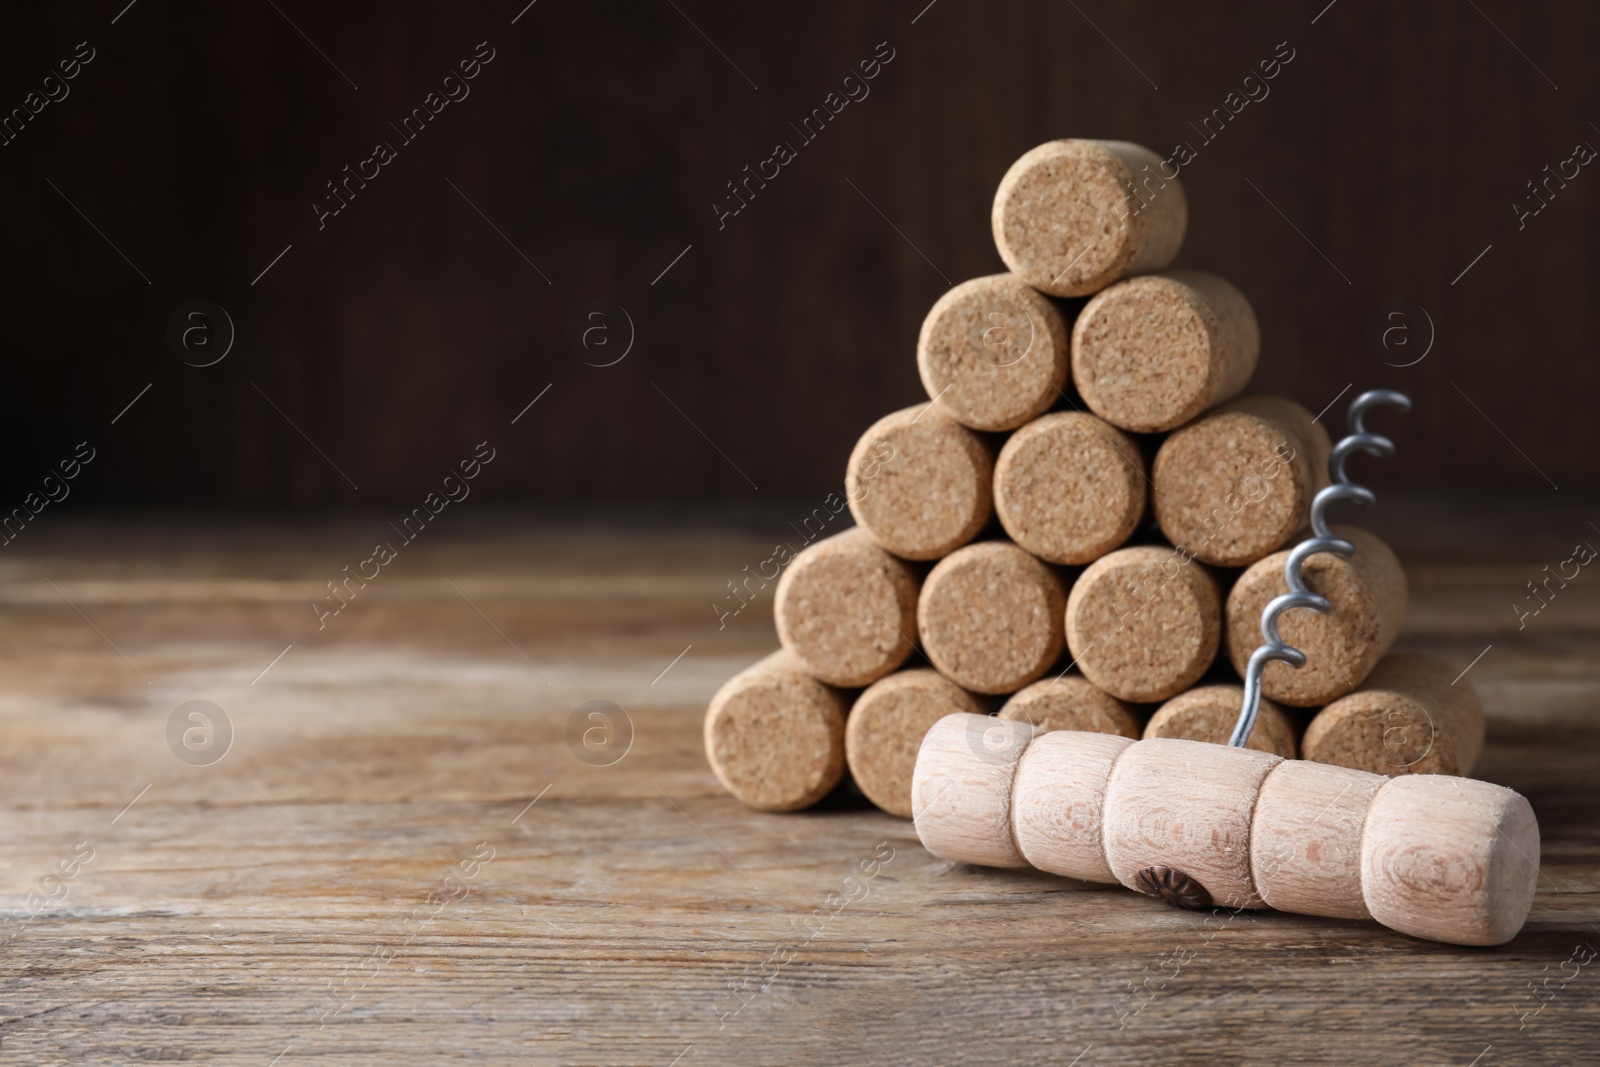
(1079,527)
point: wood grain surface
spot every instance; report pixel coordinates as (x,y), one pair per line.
(402,860)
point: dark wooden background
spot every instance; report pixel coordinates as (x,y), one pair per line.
(408,330)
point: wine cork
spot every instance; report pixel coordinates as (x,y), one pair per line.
(1069,487)
(1368,593)
(1450,859)
(993,353)
(847,609)
(1305,840)
(1202,825)
(1071,217)
(886,727)
(919,483)
(1209,713)
(1071,702)
(775,736)
(1143,624)
(990,617)
(1237,483)
(1177,820)
(1412,715)
(1152,352)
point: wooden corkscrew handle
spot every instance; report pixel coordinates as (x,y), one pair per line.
(1204,825)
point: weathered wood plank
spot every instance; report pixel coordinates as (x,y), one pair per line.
(276,902)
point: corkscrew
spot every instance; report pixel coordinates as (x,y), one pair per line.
(1206,825)
(1360,439)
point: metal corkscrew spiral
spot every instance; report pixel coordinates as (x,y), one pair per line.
(1321,540)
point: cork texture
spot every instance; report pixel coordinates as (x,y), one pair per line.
(1209,712)
(1071,702)
(1368,593)
(1069,487)
(847,609)
(775,736)
(920,483)
(1237,483)
(990,617)
(886,727)
(1152,352)
(1142,624)
(993,353)
(1071,217)
(1407,718)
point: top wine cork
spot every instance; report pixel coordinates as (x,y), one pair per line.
(1368,593)
(1237,483)
(1413,715)
(1071,217)
(1071,702)
(886,727)
(775,736)
(1152,352)
(1069,487)
(993,353)
(1143,623)
(990,617)
(1209,713)
(920,483)
(847,609)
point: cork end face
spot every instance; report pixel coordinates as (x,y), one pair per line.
(1412,715)
(1209,713)
(886,728)
(1069,488)
(1233,487)
(1070,702)
(1450,859)
(775,737)
(919,483)
(993,353)
(1383,732)
(1143,623)
(962,785)
(1145,354)
(1061,218)
(846,609)
(990,616)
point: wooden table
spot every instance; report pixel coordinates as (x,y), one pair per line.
(401,859)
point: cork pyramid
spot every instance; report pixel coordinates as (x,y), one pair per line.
(1080,527)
